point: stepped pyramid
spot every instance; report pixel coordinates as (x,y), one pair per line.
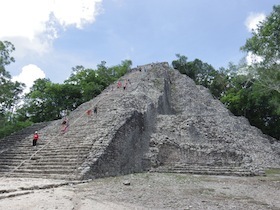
(161,122)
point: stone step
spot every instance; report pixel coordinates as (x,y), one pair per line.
(68,151)
(69,147)
(56,159)
(7,168)
(63,166)
(14,158)
(48,167)
(65,155)
(44,176)
(69,141)
(45,171)
(221,170)
(40,167)
(43,163)
(64,142)
(17,154)
(205,167)
(207,170)
(10,163)
(52,146)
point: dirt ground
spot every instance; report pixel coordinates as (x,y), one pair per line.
(143,191)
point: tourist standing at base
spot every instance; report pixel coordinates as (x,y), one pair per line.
(35,138)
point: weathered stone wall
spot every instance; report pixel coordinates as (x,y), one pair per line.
(204,132)
(164,106)
(128,142)
(126,149)
(179,122)
(123,154)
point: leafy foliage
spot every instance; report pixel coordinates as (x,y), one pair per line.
(251,90)
(48,101)
(10,92)
(12,127)
(265,96)
(265,43)
(202,73)
(239,91)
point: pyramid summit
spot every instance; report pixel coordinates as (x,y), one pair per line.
(161,121)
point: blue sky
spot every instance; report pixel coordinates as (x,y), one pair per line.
(52,36)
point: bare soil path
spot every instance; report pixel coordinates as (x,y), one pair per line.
(143,191)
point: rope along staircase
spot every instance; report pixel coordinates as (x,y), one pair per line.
(59,155)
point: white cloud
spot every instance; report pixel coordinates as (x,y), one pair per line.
(76,12)
(253,20)
(253,59)
(28,75)
(33,25)
(251,23)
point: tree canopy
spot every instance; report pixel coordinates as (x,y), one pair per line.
(265,43)
(10,92)
(48,101)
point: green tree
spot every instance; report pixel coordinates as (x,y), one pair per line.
(92,82)
(105,75)
(246,97)
(48,101)
(120,70)
(181,65)
(87,81)
(265,73)
(10,93)
(202,73)
(265,43)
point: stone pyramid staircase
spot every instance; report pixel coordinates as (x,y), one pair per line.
(69,155)
(162,122)
(55,156)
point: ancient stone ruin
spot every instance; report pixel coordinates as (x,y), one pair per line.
(161,122)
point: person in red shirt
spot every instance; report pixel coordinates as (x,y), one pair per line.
(65,125)
(119,84)
(89,111)
(35,138)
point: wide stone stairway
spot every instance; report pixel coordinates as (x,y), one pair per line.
(63,155)
(55,156)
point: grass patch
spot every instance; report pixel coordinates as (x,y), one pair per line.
(272,171)
(207,191)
